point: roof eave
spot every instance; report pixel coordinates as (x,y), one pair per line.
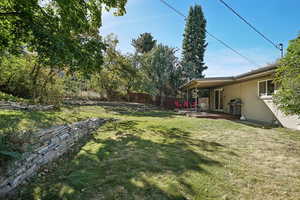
(246,76)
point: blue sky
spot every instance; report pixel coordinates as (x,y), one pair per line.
(278,19)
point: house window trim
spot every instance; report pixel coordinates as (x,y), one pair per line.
(266,95)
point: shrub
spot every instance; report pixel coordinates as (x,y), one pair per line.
(22,77)
(9,97)
(7,150)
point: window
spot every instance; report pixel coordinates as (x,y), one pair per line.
(270,87)
(266,88)
(219,99)
(262,88)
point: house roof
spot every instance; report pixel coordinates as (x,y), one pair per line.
(258,71)
(219,81)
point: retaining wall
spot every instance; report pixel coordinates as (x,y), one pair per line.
(51,144)
(22,106)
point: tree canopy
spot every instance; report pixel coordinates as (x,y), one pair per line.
(194,44)
(144,43)
(161,68)
(61,33)
(288,79)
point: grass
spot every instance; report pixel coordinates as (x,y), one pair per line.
(159,155)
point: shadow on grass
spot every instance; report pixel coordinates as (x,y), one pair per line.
(10,120)
(122,126)
(124,166)
(256,124)
(185,138)
(13,119)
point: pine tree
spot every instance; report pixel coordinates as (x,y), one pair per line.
(194,44)
(144,43)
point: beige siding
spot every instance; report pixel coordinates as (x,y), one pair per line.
(253,107)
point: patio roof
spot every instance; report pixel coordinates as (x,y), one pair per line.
(212,82)
(208,82)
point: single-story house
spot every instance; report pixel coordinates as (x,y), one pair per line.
(248,95)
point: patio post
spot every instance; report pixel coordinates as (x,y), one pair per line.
(196,100)
(187,95)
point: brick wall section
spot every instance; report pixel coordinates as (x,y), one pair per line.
(52,143)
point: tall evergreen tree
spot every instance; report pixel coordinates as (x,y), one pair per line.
(194,44)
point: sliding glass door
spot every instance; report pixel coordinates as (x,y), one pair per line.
(218,99)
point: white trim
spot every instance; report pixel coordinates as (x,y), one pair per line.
(219,89)
(226,80)
(266,94)
(253,76)
(266,97)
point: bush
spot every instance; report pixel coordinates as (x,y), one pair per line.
(15,76)
(287,79)
(22,77)
(9,97)
(7,150)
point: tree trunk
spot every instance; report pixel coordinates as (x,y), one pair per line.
(49,78)
(161,98)
(128,92)
(35,73)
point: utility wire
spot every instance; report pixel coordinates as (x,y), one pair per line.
(174,9)
(211,35)
(232,49)
(277,46)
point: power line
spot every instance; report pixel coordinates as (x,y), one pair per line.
(174,9)
(277,46)
(232,49)
(211,35)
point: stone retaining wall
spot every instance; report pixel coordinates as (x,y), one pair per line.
(103,103)
(134,106)
(22,106)
(51,144)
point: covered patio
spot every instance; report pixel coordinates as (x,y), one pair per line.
(207,97)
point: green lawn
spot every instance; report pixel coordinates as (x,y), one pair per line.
(160,155)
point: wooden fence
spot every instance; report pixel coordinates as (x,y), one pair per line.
(169,102)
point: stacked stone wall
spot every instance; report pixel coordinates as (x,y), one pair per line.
(9,105)
(51,144)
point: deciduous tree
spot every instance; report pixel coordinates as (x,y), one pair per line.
(61,33)
(160,66)
(118,76)
(287,78)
